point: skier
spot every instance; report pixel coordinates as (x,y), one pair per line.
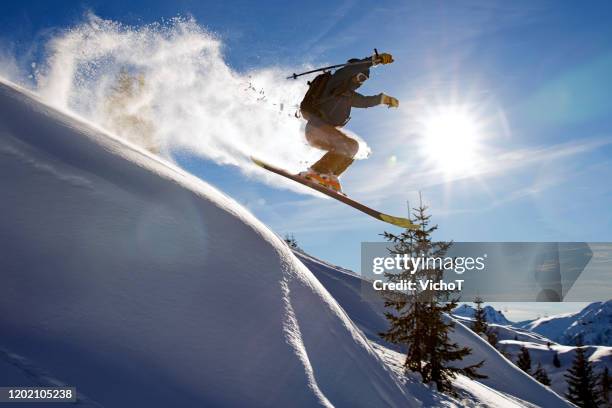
(327,107)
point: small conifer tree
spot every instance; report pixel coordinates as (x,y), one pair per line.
(479,326)
(524,360)
(418,320)
(541,375)
(604,385)
(492,338)
(291,241)
(556,361)
(582,382)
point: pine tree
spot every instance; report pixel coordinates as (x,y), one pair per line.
(407,315)
(604,384)
(582,382)
(440,350)
(492,338)
(556,361)
(479,326)
(504,352)
(405,318)
(417,320)
(524,360)
(291,241)
(541,375)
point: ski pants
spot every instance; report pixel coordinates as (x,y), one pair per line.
(340,148)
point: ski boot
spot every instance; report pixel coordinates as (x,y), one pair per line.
(329,181)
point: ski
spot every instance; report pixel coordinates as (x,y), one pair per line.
(397,221)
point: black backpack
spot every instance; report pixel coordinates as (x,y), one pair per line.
(312,99)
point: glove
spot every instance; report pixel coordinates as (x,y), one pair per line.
(383,58)
(390,101)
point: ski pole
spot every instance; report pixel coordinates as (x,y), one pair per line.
(295,76)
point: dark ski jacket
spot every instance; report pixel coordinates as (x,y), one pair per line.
(340,96)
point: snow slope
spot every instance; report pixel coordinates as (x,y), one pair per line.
(140,285)
(593,325)
(543,349)
(491,315)
(600,356)
(365,307)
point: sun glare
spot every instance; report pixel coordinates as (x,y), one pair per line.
(450,140)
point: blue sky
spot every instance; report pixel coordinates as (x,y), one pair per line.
(533,76)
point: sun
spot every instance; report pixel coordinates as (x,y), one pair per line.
(450,139)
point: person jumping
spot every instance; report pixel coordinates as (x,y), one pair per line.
(327,108)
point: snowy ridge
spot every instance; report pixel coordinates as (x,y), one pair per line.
(600,356)
(135,293)
(144,286)
(543,349)
(592,325)
(365,307)
(491,315)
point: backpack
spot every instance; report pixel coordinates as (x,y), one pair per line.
(309,105)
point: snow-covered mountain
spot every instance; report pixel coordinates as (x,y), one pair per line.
(543,349)
(365,310)
(491,315)
(141,285)
(593,325)
(365,307)
(600,356)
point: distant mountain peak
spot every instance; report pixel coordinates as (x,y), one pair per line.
(591,325)
(492,315)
